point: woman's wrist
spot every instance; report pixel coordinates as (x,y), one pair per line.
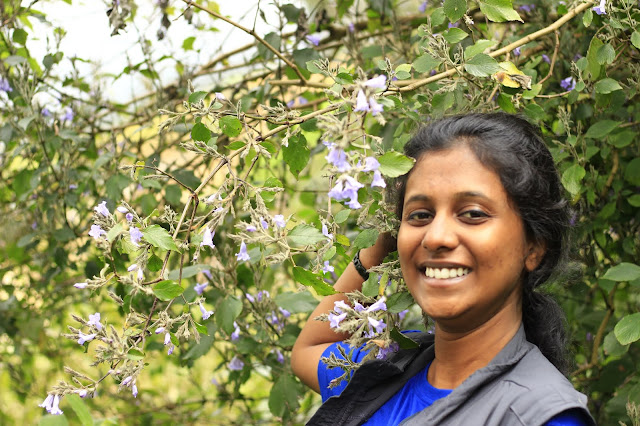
(371,256)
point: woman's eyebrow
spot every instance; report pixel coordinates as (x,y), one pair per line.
(457,196)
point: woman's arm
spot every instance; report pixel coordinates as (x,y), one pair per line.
(316,336)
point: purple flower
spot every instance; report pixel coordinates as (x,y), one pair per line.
(45,112)
(126,381)
(199,288)
(339,306)
(68,114)
(221,97)
(122,209)
(546,58)
(378,325)
(576,57)
(136,236)
(167,338)
(279,356)
(362,104)
(384,352)
(379,82)
(378,180)
(380,305)
(80,285)
(376,108)
(284,312)
(516,51)
(235,364)
(273,318)
(336,319)
(568,84)
(51,404)
(338,158)
(250,298)
(371,164)
(205,314)
(589,336)
(82,338)
(132,268)
(207,238)
(96,232)
(129,217)
(236,332)
(134,389)
(600,8)
(102,209)
(4,85)
(358,307)
(159,330)
(73,186)
(264,223)
(94,320)
(327,268)
(82,393)
(352,27)
(262,294)
(207,274)
(313,39)
(527,8)
(279,221)
(242,254)
(34,225)
(453,24)
(140,274)
(171,348)
(423,6)
(325,232)
(347,187)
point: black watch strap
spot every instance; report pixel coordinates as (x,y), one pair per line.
(360,267)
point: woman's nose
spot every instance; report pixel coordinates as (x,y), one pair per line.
(440,234)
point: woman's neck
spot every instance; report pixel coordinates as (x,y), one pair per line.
(459,353)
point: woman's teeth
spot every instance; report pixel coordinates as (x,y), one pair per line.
(444,273)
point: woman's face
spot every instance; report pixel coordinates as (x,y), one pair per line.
(461,244)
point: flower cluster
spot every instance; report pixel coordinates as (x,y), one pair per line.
(367,102)
(347,186)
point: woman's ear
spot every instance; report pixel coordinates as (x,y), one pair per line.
(537,251)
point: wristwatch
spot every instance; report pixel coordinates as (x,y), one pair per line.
(360,267)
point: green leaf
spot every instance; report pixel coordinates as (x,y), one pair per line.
(51,420)
(228,309)
(115,185)
(454,35)
(154,264)
(607,85)
(159,237)
(230,126)
(371,285)
(606,54)
(479,47)
(455,9)
(499,10)
(298,302)
(64,234)
(135,355)
(19,36)
(394,164)
(627,330)
(622,139)
(200,132)
(342,216)
(187,44)
(167,290)
(187,272)
(114,232)
(601,129)
(632,172)
(482,65)
(196,97)
(572,177)
(296,155)
(398,302)
(612,347)
(403,341)
(365,239)
(310,279)
(587,18)
(634,200)
(504,101)
(303,235)
(594,68)
(80,408)
(623,272)
(425,63)
(635,39)
(236,145)
(283,396)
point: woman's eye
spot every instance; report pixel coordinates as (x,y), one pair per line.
(420,215)
(474,214)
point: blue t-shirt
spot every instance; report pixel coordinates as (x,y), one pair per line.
(416,395)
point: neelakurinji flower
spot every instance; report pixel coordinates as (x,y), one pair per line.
(82,338)
(159,330)
(284,312)
(279,221)
(242,254)
(235,364)
(527,8)
(251,228)
(199,288)
(80,285)
(378,180)
(167,338)
(347,187)
(96,232)
(264,223)
(340,305)
(568,84)
(279,356)
(325,232)
(378,325)
(380,305)
(68,114)
(45,112)
(207,238)
(205,314)
(221,97)
(546,58)
(384,352)
(423,6)
(136,236)
(338,158)
(262,294)
(129,217)
(313,39)
(379,82)
(358,307)
(122,209)
(371,164)
(250,298)
(600,8)
(4,85)
(335,320)
(327,268)
(236,332)
(94,320)
(102,209)
(516,51)
(51,403)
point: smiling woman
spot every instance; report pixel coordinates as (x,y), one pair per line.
(483,223)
